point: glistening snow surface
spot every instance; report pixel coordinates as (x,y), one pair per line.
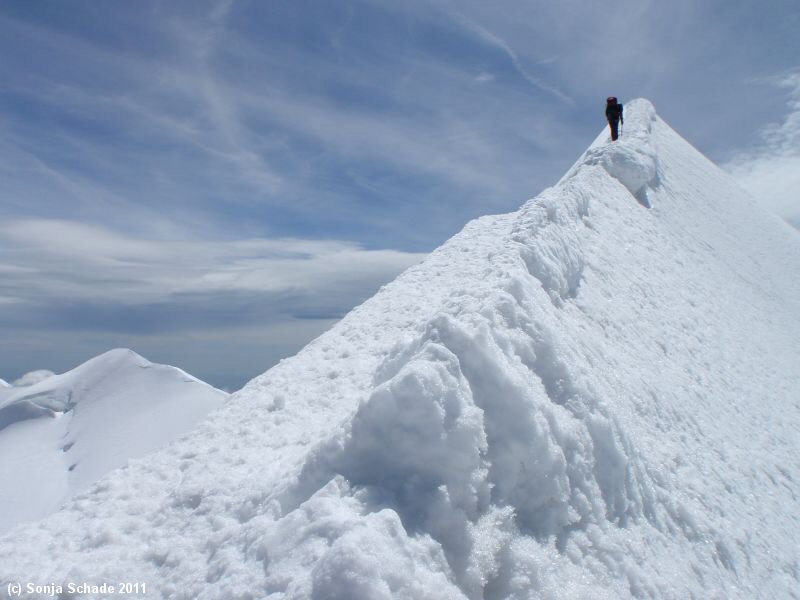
(60,435)
(597,396)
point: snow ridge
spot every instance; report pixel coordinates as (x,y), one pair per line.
(632,160)
(554,404)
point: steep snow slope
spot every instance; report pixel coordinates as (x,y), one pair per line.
(587,398)
(62,434)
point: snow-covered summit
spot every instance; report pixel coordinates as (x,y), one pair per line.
(593,397)
(60,435)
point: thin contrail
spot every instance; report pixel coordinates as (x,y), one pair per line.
(499,42)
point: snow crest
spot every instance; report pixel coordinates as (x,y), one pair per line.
(480,422)
(631,159)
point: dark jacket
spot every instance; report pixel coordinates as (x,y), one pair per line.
(614,112)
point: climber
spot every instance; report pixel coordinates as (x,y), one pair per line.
(614,116)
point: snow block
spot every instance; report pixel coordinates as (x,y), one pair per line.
(419,430)
(353,551)
(633,165)
(631,159)
(550,244)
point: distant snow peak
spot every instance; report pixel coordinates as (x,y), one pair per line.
(60,434)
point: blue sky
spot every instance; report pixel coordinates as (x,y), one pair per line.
(213,184)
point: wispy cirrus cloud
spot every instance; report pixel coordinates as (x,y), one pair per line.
(771,168)
(212,127)
(491,38)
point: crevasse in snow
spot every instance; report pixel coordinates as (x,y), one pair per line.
(593,397)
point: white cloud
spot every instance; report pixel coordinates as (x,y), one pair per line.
(771,170)
(81,262)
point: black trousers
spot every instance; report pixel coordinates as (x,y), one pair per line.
(614,124)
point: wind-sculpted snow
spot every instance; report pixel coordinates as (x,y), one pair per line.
(632,160)
(587,398)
